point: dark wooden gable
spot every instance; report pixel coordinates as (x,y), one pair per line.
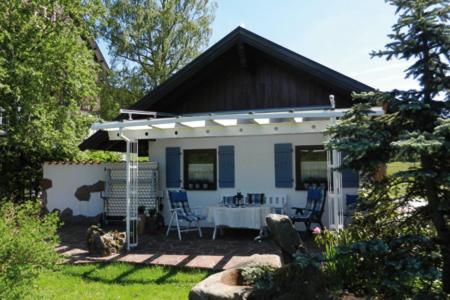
(245,79)
(247,71)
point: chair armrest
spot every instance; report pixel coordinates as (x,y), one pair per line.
(201,209)
(300,210)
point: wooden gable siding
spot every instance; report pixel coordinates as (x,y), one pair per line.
(257,83)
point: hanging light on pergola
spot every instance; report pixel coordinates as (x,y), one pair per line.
(2,132)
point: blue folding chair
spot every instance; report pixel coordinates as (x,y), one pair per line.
(181,211)
(313,211)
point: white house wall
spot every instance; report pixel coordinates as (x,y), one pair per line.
(66,179)
(254,166)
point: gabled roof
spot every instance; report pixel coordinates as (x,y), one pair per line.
(237,37)
(244,36)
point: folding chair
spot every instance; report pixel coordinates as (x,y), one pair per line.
(181,211)
(312,212)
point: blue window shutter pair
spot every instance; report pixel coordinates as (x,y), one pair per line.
(226,166)
(284,166)
(173,169)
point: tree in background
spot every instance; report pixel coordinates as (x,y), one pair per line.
(416,129)
(149,41)
(47,72)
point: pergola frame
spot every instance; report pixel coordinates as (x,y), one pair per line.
(231,124)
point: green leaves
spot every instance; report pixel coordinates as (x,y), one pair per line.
(406,210)
(153,39)
(47,73)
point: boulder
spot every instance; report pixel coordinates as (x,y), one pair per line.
(228,284)
(224,285)
(284,234)
(272,260)
(100,243)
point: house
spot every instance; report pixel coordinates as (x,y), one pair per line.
(247,116)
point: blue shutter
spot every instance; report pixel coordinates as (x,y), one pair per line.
(226,166)
(173,167)
(350,178)
(283,166)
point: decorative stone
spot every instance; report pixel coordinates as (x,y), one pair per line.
(284,234)
(100,243)
(228,284)
(66,214)
(83,193)
(272,260)
(45,183)
(224,285)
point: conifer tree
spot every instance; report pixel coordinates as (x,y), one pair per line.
(415,129)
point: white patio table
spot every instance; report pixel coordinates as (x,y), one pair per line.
(252,217)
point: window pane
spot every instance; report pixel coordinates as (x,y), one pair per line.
(311,166)
(200,169)
(201,172)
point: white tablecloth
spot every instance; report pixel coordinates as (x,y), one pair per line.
(239,217)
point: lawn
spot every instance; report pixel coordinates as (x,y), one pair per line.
(117,281)
(398,166)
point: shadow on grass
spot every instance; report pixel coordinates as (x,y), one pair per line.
(97,272)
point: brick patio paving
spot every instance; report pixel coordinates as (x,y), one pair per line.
(235,246)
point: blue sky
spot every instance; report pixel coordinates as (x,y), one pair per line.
(337,33)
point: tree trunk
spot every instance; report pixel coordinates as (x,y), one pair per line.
(440,223)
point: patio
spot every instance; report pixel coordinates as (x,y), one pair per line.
(235,246)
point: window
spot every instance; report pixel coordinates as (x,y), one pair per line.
(310,166)
(200,169)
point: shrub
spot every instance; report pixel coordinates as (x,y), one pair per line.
(400,267)
(259,275)
(27,247)
(303,278)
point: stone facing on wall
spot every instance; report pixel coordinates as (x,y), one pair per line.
(83,193)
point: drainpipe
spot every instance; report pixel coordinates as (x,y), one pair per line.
(128,185)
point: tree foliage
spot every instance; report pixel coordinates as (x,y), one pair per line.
(27,247)
(119,90)
(149,41)
(47,73)
(415,128)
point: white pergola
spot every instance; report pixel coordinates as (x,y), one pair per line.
(257,123)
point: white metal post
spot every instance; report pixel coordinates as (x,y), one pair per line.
(127,193)
(335,195)
(131,195)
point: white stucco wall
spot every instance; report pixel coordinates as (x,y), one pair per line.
(66,179)
(254,166)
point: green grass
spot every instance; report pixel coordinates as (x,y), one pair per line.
(395,167)
(116,281)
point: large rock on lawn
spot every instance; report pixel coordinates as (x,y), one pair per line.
(228,284)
